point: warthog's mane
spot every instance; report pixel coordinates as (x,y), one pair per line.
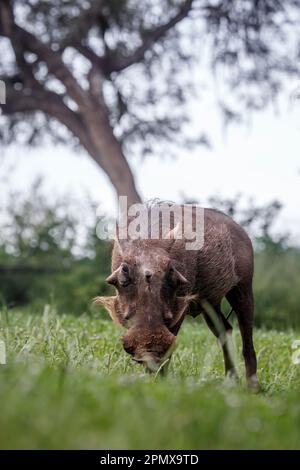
(157,202)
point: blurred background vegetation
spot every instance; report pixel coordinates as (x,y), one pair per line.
(49,255)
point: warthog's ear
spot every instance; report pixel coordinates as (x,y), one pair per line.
(117,244)
(174,233)
(110,304)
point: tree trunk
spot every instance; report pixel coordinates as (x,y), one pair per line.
(95,134)
(107,153)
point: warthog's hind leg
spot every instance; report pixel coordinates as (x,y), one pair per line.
(242,301)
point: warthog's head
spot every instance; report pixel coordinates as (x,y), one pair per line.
(147,303)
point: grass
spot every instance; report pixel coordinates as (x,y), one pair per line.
(68,384)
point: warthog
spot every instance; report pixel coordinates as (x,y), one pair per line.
(159,281)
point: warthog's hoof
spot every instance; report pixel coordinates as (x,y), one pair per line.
(232,374)
(253,384)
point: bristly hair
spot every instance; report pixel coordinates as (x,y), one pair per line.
(156,202)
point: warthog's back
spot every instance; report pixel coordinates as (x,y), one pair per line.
(225,259)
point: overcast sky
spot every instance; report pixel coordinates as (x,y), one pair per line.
(260,161)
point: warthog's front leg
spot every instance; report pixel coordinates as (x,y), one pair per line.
(222,329)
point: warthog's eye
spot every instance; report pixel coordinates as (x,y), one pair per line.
(124,275)
(124,268)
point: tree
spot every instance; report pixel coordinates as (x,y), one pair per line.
(113,73)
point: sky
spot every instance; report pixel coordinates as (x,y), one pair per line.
(260,161)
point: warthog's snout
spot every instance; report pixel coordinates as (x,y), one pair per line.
(149,347)
(151,362)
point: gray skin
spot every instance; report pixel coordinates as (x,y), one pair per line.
(159,282)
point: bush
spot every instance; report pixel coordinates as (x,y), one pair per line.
(277,288)
(50,255)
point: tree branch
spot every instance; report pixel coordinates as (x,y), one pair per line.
(151,37)
(101,63)
(81,25)
(20,103)
(51,104)
(55,64)
(20,38)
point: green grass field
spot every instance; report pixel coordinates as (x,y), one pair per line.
(68,384)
